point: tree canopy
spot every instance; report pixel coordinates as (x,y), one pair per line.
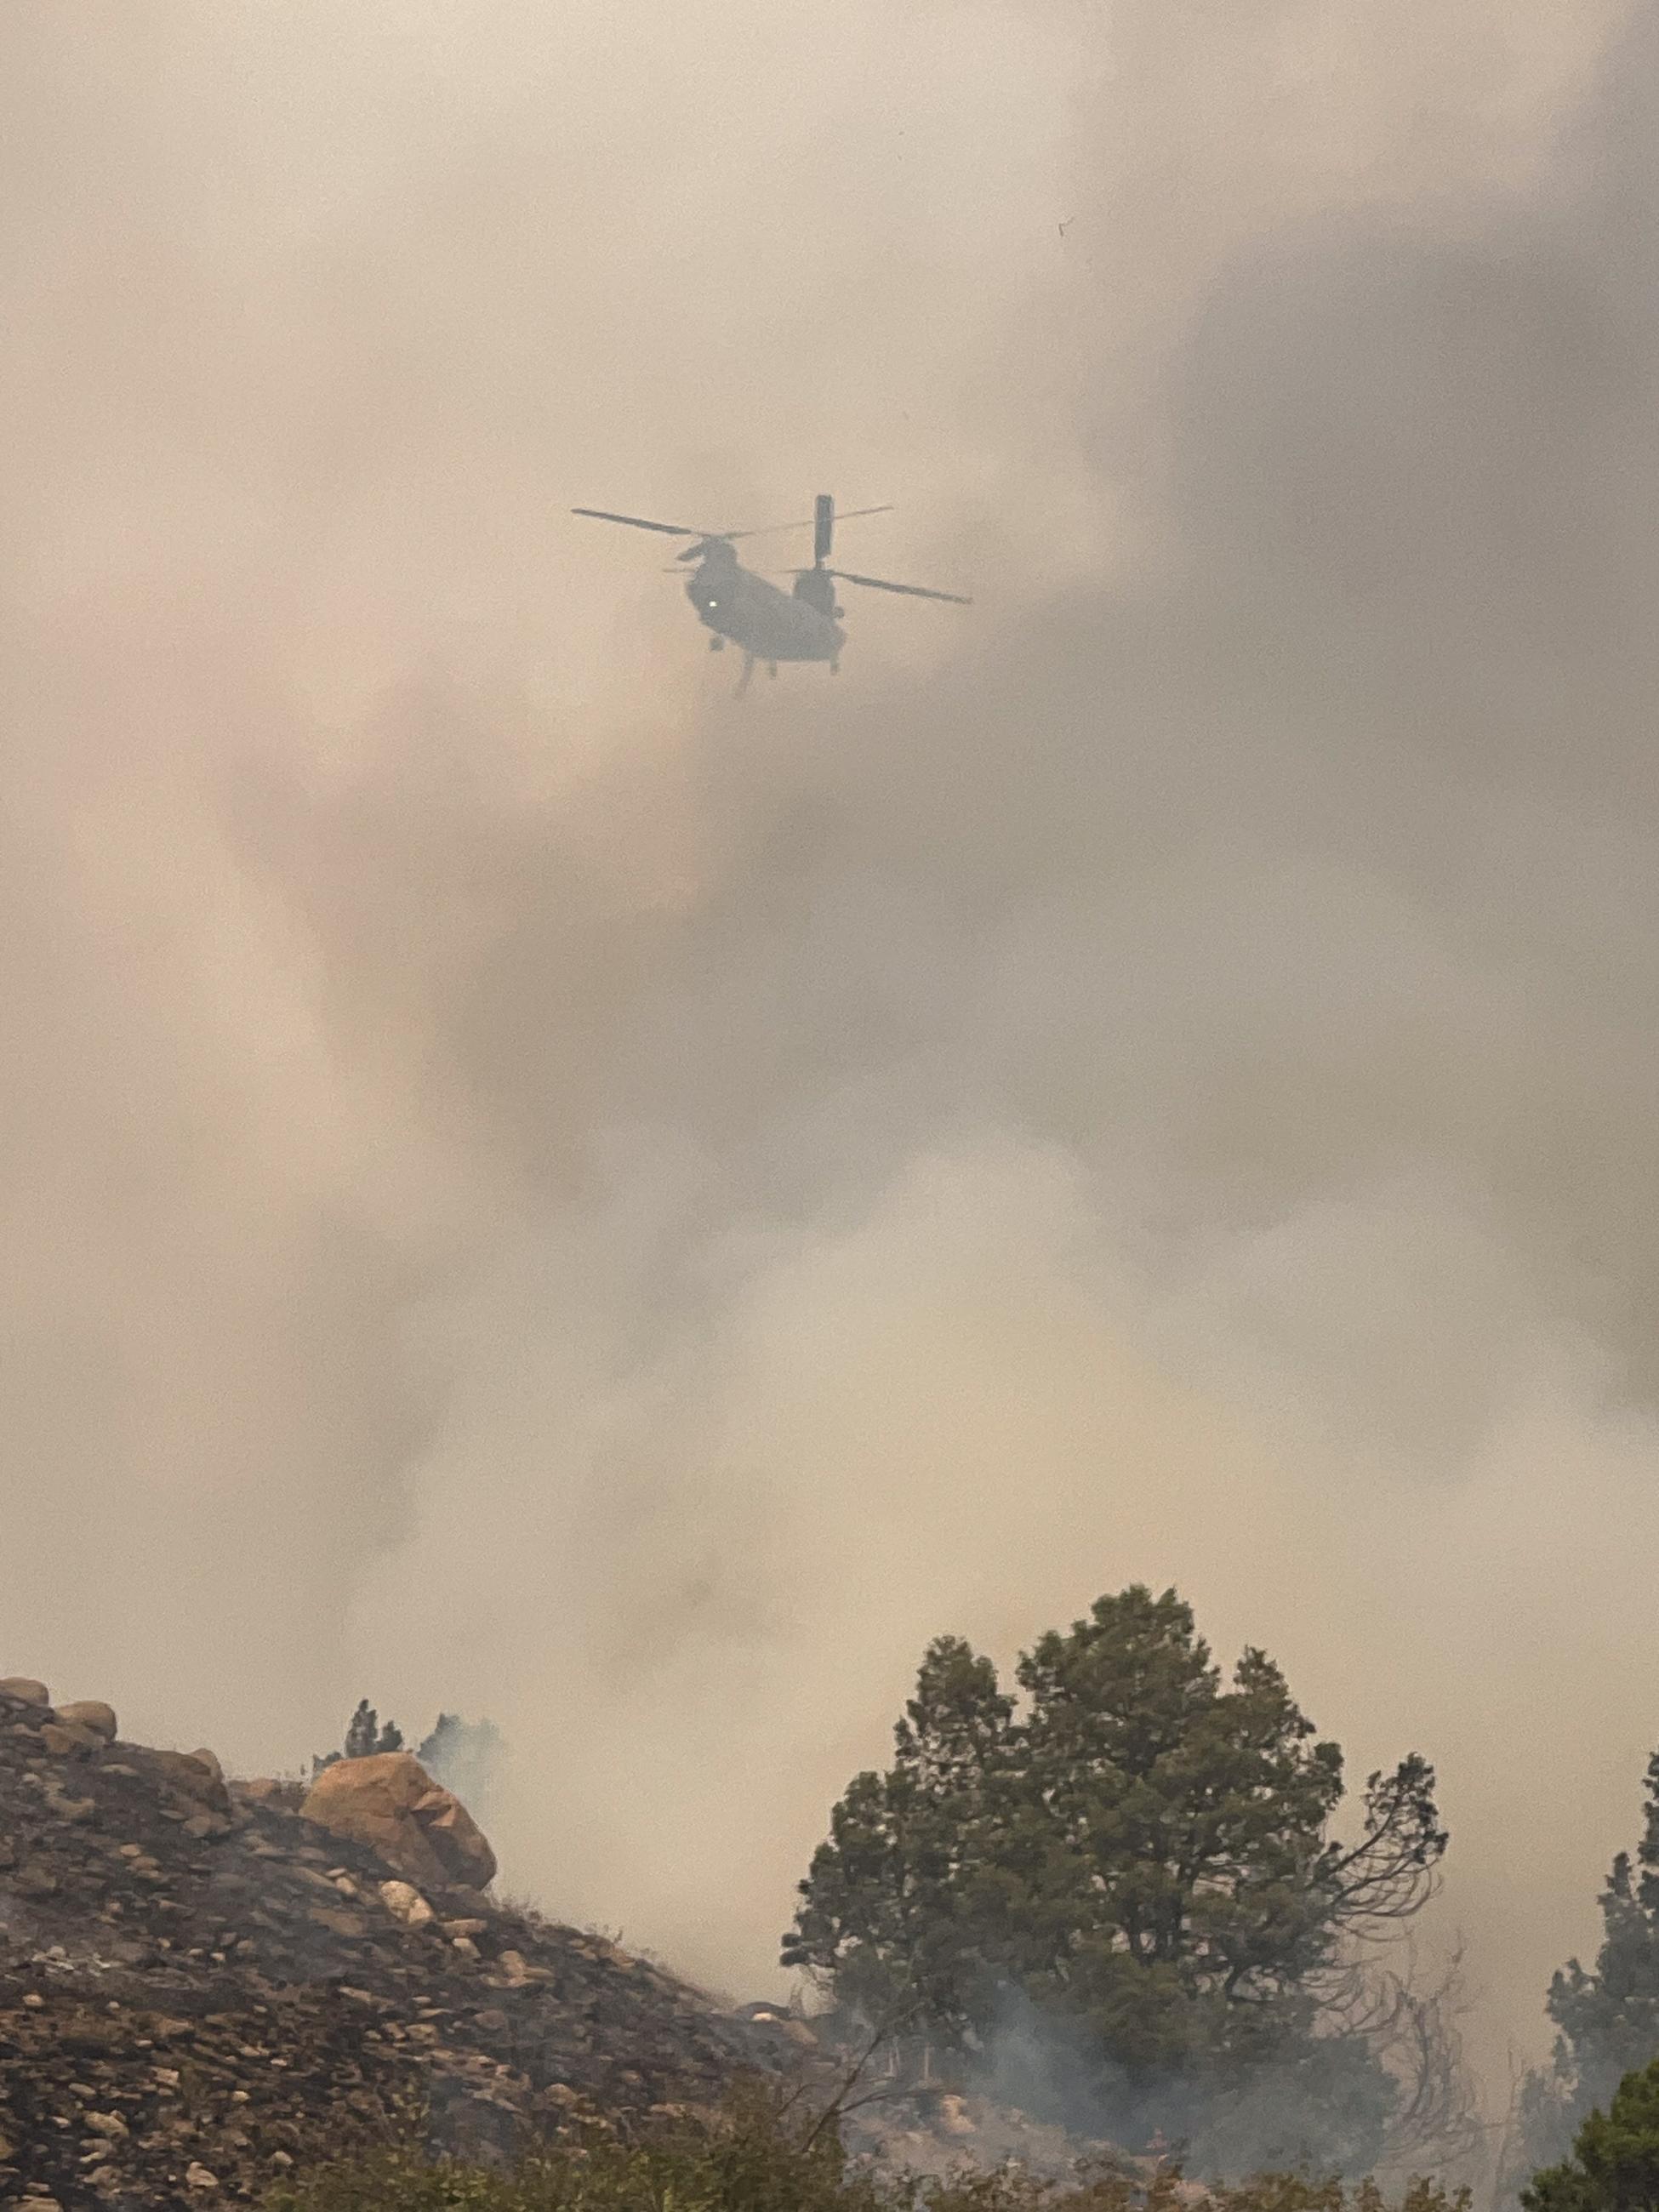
(1615,2165)
(1130,1844)
(366,1734)
(1606,2014)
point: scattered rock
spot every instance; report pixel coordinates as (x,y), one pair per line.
(191,1977)
(935,2131)
(91,1714)
(406,1903)
(195,1778)
(63,1738)
(264,1789)
(390,1802)
(24,1690)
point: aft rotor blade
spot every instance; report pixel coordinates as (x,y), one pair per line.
(772,528)
(910,590)
(639,522)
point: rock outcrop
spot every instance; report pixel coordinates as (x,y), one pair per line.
(390,1802)
(200,1992)
(96,1719)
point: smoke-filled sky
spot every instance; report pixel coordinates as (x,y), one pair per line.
(535,1188)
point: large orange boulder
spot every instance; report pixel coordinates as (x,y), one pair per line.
(390,1802)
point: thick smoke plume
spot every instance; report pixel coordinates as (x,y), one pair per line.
(533,1189)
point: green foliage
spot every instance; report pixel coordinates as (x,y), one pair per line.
(899,1900)
(768,2153)
(1134,1845)
(764,2153)
(365,1735)
(1615,2166)
(1607,2015)
(1170,1831)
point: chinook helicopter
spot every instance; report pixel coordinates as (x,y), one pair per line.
(766,622)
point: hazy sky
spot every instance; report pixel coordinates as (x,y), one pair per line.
(536,1188)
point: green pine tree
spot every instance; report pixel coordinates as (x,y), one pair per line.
(1615,2165)
(362,1730)
(1607,2015)
(896,1906)
(1133,1846)
(1178,1878)
(365,1734)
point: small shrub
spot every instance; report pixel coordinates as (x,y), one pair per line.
(763,2153)
(769,2152)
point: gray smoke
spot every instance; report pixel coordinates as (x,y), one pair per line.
(470,1758)
(535,1190)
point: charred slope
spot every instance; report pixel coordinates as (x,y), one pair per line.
(199,1989)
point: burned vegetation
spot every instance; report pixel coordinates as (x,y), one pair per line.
(202,1991)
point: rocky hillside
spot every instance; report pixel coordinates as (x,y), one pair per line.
(201,1989)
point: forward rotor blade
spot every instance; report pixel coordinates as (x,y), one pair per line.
(910,590)
(639,522)
(682,530)
(772,529)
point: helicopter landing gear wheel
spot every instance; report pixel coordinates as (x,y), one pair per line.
(772,668)
(748,671)
(834,668)
(717,645)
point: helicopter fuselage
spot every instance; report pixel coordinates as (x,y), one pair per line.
(768,624)
(733,603)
